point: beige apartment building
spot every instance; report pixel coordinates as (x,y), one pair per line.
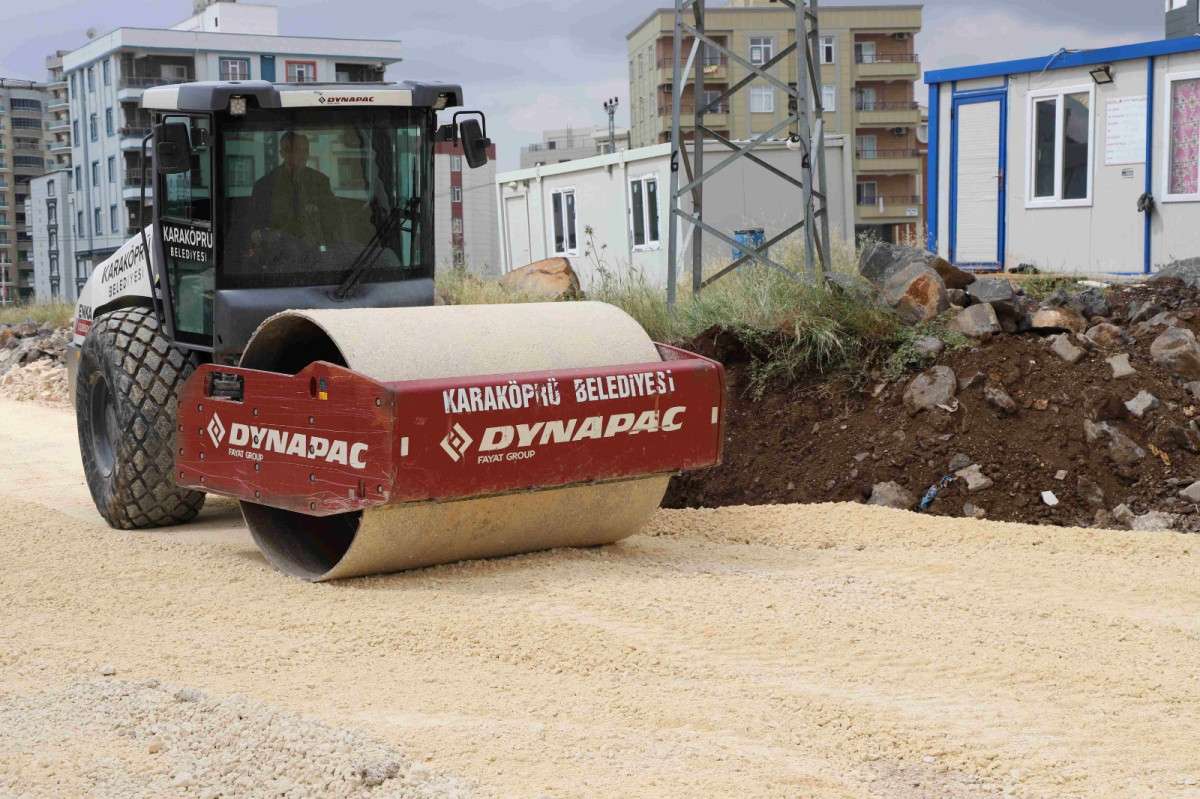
(868,69)
(23,134)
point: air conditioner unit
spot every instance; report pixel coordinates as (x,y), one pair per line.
(899,132)
(901,37)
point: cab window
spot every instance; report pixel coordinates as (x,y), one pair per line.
(187,234)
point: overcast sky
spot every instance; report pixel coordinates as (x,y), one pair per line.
(536,64)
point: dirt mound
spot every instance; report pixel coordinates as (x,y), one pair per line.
(1068,429)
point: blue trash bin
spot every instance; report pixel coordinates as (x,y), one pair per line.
(751,239)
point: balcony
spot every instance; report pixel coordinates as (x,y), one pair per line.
(130,88)
(887,113)
(59,125)
(131,188)
(887,161)
(131,137)
(716,68)
(716,119)
(887,66)
(60,147)
(889,207)
(57,105)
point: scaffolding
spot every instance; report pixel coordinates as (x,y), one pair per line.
(803,129)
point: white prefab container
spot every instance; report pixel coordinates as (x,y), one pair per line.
(611,211)
(1077,162)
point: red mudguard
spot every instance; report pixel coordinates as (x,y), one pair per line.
(330,440)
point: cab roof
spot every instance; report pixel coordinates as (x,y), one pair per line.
(202,96)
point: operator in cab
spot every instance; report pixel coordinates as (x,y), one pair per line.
(293,204)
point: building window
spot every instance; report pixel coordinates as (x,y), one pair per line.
(1173,5)
(762,100)
(1183,137)
(562,207)
(456,194)
(107,70)
(23,104)
(74,83)
(49,188)
(97,222)
(91,79)
(1060,147)
(108,120)
(93,128)
(27,123)
(456,226)
(761,49)
(78,178)
(866,192)
(456,163)
(3,218)
(235,68)
(112,169)
(300,71)
(829,98)
(643,196)
(828,50)
(864,52)
(78,224)
(95,174)
(75,130)
(112,219)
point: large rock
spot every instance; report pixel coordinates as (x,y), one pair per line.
(550,279)
(951,275)
(999,399)
(974,477)
(1065,349)
(1187,270)
(1176,349)
(916,293)
(1091,303)
(891,495)
(977,321)
(1142,404)
(1105,334)
(991,289)
(880,260)
(1058,319)
(1123,450)
(929,346)
(1120,366)
(931,388)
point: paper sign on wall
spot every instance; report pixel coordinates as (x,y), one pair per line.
(1125,131)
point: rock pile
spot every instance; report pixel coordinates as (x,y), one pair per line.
(32,363)
(1077,407)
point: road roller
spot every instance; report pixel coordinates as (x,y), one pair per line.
(269,334)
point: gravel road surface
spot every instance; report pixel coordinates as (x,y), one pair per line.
(784,651)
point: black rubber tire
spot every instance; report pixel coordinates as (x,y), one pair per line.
(127,390)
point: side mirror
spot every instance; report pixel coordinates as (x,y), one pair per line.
(474,142)
(172,148)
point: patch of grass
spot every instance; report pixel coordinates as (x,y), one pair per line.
(790,328)
(1039,287)
(54,314)
(459,287)
(905,357)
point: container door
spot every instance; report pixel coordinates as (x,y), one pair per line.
(516,217)
(977,182)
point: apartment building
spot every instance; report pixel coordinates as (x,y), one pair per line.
(221,41)
(1182,18)
(23,138)
(464,212)
(868,66)
(571,144)
(48,216)
(58,114)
